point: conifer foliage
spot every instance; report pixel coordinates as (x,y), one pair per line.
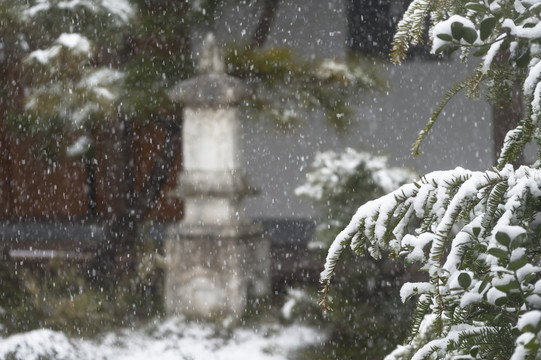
(475,234)
(338,182)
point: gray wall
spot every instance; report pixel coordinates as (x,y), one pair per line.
(387,122)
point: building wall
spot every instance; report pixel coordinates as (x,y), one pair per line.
(385,122)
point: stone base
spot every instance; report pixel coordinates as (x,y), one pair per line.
(211,270)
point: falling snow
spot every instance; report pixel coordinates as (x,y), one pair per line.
(90,137)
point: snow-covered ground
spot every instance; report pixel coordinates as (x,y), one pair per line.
(171,339)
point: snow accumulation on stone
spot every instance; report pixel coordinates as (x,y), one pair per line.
(172,339)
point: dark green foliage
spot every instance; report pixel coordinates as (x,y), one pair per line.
(368,320)
(506,58)
(481,255)
(152,52)
(287,88)
(502,80)
(478,237)
(148,79)
(338,182)
(156,55)
(48,24)
(61,295)
(487,344)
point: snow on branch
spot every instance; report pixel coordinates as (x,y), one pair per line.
(410,29)
(473,234)
(120,9)
(75,43)
(505,37)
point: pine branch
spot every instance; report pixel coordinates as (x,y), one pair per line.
(423,306)
(424,132)
(495,198)
(515,141)
(493,342)
(266,20)
(410,29)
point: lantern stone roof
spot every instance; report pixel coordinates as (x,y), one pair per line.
(212,87)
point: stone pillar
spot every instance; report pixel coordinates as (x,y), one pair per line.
(216,255)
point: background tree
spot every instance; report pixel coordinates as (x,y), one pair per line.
(367,294)
(370,25)
(92,79)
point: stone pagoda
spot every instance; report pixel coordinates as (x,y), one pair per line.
(216,256)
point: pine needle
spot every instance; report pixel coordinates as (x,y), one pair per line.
(424,132)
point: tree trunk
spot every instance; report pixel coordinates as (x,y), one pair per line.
(121,229)
(370,27)
(506,117)
(262,31)
(160,40)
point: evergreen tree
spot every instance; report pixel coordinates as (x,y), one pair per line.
(474,234)
(336,183)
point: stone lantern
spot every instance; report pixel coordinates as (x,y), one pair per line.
(216,256)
